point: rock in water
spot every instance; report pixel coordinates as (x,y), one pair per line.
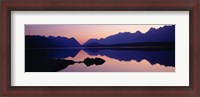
(91,61)
(99,61)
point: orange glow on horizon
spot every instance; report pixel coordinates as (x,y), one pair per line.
(84,32)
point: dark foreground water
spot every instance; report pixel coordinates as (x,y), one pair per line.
(116,60)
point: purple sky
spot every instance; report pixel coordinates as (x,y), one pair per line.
(83,32)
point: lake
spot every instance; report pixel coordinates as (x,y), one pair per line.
(116,60)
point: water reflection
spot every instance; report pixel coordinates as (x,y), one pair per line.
(109,60)
(163,57)
(53,65)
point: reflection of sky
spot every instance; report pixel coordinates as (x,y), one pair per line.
(112,65)
(84,32)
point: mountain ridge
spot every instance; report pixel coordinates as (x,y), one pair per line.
(162,34)
(37,41)
(153,37)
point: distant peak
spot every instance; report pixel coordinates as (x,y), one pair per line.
(93,39)
(101,38)
(50,36)
(138,32)
(56,37)
(72,38)
(126,32)
(152,28)
(122,33)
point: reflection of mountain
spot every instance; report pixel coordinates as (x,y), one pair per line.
(51,41)
(46,65)
(141,45)
(164,34)
(43,61)
(52,53)
(166,58)
(156,46)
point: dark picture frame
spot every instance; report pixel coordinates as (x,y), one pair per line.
(193,90)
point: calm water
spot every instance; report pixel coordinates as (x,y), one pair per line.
(116,60)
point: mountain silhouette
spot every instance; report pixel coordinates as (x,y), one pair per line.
(162,34)
(153,37)
(37,41)
(48,54)
(52,53)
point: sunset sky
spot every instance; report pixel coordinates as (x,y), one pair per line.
(83,32)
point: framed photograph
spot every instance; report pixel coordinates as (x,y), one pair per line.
(143,48)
